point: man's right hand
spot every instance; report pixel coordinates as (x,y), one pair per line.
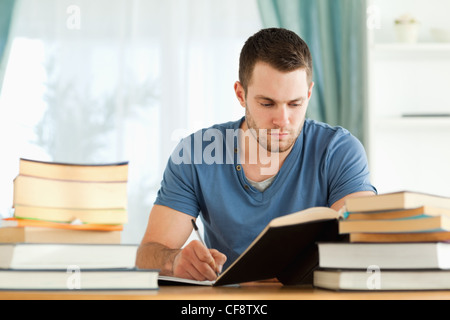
(162,248)
(197,262)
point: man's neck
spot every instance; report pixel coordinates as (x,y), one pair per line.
(264,164)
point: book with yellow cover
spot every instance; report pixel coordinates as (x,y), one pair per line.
(49,193)
(396,201)
(74,172)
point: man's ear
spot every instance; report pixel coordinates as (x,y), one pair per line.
(240,93)
(310,90)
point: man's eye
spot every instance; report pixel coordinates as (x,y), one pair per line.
(267,105)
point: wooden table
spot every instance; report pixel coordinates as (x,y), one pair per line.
(249,291)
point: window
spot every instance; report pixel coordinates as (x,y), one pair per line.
(106,81)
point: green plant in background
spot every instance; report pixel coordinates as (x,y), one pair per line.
(79,127)
(406,19)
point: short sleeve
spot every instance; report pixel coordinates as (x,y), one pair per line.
(347,167)
(178,189)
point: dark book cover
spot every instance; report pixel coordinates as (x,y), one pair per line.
(288,253)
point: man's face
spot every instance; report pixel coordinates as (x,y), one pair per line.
(276,101)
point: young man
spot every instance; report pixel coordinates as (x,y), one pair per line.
(240,175)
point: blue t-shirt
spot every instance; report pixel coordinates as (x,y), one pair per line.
(203,176)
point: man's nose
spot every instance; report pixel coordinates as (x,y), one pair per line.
(281,116)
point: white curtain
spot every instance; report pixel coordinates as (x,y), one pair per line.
(118,80)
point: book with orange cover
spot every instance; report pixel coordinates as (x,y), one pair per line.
(67,215)
(34,231)
(14,222)
(426,224)
(439,236)
(422,211)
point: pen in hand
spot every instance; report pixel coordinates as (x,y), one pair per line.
(201,240)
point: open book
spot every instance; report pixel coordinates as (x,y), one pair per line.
(286,249)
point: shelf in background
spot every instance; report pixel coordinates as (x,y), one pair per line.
(442,122)
(420,49)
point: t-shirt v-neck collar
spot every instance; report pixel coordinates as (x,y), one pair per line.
(279,177)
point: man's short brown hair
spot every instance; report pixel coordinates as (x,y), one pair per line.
(282,49)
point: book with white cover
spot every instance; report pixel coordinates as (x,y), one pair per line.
(79,279)
(382,280)
(59,256)
(385,255)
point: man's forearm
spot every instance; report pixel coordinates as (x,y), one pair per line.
(154,255)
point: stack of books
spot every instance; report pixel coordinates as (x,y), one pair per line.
(66,230)
(55,202)
(53,266)
(397,241)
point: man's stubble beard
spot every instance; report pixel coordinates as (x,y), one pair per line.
(266,141)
